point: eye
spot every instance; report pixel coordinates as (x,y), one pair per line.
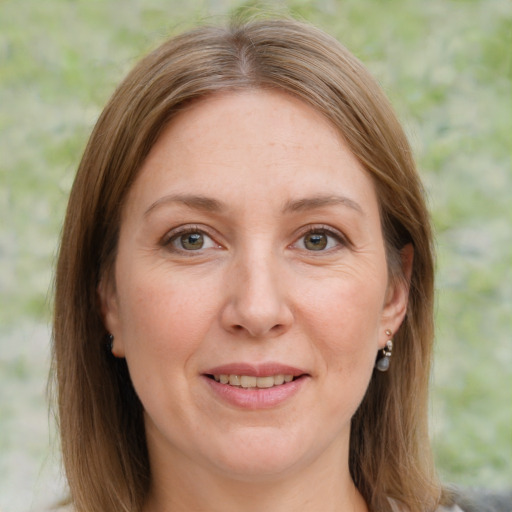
(316,241)
(190,240)
(320,240)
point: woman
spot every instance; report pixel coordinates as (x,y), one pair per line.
(243,315)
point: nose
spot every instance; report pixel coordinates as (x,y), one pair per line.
(256,304)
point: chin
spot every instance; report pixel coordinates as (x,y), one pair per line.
(258,469)
(262,457)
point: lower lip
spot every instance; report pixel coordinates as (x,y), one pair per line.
(256,398)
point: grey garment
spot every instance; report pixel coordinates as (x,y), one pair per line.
(483,500)
(475,500)
(454,508)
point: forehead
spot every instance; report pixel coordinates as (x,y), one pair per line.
(241,144)
(250,119)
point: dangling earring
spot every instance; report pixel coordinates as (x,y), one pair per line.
(382,363)
(110,342)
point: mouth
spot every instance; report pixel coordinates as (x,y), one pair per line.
(256,386)
(252,382)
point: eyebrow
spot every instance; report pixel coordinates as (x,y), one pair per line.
(312,203)
(209,204)
(196,202)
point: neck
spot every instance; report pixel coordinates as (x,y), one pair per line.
(318,487)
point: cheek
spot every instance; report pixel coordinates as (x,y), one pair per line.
(164,317)
(164,322)
(344,317)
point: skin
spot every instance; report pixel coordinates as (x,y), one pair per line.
(255,292)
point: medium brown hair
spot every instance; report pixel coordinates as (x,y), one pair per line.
(101,418)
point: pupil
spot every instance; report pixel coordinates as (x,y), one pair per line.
(192,241)
(316,241)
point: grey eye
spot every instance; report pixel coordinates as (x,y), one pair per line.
(316,241)
(192,241)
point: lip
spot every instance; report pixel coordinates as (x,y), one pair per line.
(256,398)
(256,370)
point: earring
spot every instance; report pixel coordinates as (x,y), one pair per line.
(110,342)
(382,363)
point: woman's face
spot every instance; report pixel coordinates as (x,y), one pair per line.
(250,253)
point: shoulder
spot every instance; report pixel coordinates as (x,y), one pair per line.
(482,500)
(454,508)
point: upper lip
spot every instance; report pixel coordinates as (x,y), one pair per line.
(255,370)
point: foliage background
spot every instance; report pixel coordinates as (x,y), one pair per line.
(447,67)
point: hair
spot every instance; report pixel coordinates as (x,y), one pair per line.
(100,416)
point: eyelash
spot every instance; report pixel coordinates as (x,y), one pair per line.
(340,239)
(174,235)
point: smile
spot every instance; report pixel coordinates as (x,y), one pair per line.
(250,381)
(256,386)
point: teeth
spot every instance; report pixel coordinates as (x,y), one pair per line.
(249,381)
(265,382)
(279,379)
(234,380)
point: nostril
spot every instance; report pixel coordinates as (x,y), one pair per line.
(275,329)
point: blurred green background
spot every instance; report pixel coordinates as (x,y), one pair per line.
(447,67)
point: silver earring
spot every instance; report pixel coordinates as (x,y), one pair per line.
(110,343)
(382,363)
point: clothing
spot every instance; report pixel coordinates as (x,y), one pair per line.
(454,508)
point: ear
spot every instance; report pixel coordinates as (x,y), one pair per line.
(109,308)
(397,295)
